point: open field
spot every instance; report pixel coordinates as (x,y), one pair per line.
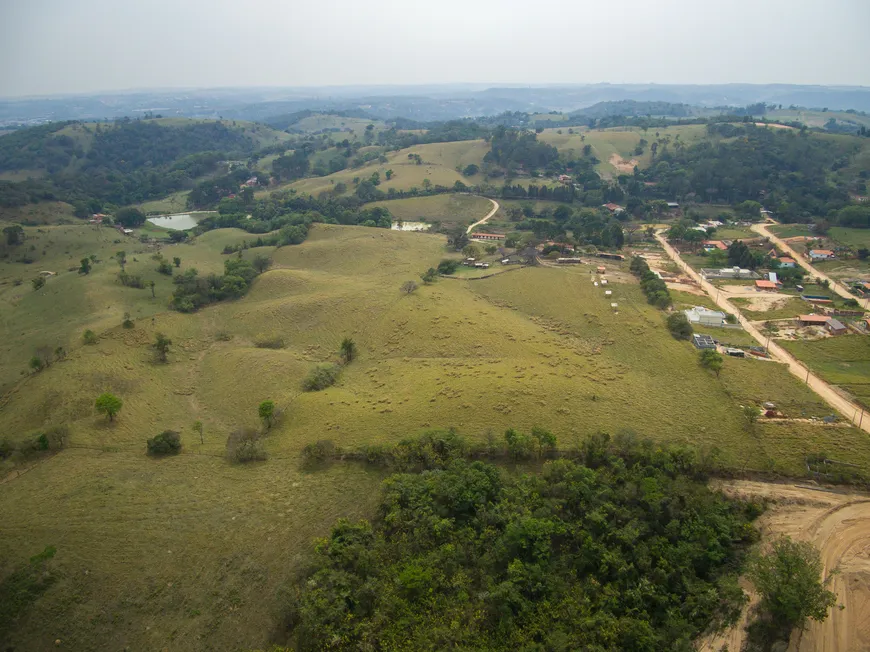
(29,319)
(439,166)
(851,237)
(843,361)
(174,203)
(816,118)
(49,212)
(447,209)
(351,128)
(775,307)
(191,553)
(791,230)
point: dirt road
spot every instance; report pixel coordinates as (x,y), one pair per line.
(838,524)
(484,220)
(848,409)
(839,288)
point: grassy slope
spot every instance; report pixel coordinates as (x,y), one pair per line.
(439,163)
(190,552)
(68,304)
(444,208)
(815,118)
(324,121)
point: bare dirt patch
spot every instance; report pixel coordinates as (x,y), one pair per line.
(772,125)
(621,164)
(758,301)
(838,524)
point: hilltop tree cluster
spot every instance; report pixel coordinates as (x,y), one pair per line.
(610,553)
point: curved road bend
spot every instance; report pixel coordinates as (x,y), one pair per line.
(484,220)
(819,386)
(839,288)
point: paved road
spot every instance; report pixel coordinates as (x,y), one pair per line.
(483,221)
(839,288)
(848,409)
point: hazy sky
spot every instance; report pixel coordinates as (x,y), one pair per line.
(69,46)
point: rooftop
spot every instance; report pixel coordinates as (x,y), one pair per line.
(814,319)
(768,285)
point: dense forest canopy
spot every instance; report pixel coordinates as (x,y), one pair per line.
(616,553)
(788,170)
(125,162)
(514,149)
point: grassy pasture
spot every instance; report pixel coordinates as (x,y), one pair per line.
(190,552)
(55,212)
(791,230)
(851,237)
(447,209)
(439,166)
(843,361)
(351,128)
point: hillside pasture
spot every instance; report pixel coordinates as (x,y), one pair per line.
(439,167)
(447,209)
(843,361)
(191,552)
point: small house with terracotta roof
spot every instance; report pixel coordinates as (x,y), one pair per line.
(715,244)
(812,320)
(765,286)
(821,254)
(785,261)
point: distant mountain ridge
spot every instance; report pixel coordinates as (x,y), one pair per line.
(421,103)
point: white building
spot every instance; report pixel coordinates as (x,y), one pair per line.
(703,317)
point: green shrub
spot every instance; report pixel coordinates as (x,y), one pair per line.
(679,326)
(320,451)
(167,442)
(269,342)
(89,337)
(244,445)
(321,377)
(447,266)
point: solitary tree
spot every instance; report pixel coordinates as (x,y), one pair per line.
(85,267)
(429,275)
(710,359)
(121,257)
(128,321)
(408,287)
(161,346)
(176,261)
(348,350)
(197,428)
(108,404)
(792,593)
(751,413)
(267,412)
(14,235)
(89,337)
(38,282)
(388,174)
(151,284)
(261,263)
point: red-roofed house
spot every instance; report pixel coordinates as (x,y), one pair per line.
(718,244)
(614,208)
(765,286)
(785,261)
(821,254)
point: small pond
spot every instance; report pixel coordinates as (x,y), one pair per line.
(180,222)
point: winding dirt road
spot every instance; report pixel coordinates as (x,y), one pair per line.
(838,524)
(848,409)
(838,287)
(484,220)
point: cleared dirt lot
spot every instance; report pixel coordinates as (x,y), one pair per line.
(838,524)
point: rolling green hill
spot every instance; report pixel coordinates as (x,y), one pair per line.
(193,551)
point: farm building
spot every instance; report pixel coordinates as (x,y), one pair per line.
(704,317)
(673,204)
(729,272)
(715,244)
(703,341)
(610,256)
(821,254)
(816,298)
(812,320)
(486,236)
(785,261)
(613,208)
(737,353)
(836,326)
(569,261)
(765,286)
